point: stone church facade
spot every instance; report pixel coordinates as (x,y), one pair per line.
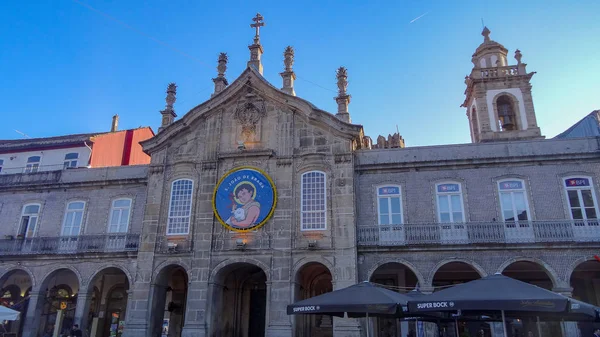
(347,210)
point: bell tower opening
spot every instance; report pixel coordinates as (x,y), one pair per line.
(506,114)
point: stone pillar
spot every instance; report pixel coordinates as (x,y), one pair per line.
(34,312)
(138,315)
(220,81)
(168,114)
(82,308)
(195,324)
(288,75)
(342,99)
(569,329)
(256,50)
(279,324)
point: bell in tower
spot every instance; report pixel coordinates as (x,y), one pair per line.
(498,96)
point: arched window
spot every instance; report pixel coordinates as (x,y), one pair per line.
(73,218)
(450,202)
(33,164)
(313,215)
(180,207)
(71,160)
(389,205)
(513,200)
(582,199)
(120,213)
(507,118)
(29,220)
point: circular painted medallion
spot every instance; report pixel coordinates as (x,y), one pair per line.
(244,199)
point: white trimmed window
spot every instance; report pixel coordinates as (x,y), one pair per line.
(513,200)
(73,218)
(450,202)
(1,164)
(29,220)
(71,160)
(582,199)
(389,205)
(33,164)
(180,207)
(313,215)
(120,213)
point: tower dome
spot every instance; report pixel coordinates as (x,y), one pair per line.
(490,53)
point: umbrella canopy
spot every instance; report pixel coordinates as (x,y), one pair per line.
(357,301)
(7,314)
(495,292)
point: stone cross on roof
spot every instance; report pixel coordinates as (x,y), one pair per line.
(258,22)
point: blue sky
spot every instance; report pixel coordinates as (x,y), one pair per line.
(65,68)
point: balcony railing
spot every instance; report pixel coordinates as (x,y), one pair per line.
(499,72)
(106,243)
(479,233)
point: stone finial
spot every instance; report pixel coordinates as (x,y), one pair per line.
(220,81)
(342,80)
(288,74)
(168,114)
(288,58)
(518,56)
(171,95)
(222,67)
(256,49)
(342,99)
(486,34)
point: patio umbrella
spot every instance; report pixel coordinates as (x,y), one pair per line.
(360,300)
(494,293)
(7,314)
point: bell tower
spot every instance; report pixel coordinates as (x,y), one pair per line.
(498,96)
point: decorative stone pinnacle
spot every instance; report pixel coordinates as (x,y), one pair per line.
(222,67)
(518,56)
(288,60)
(171,98)
(342,80)
(258,22)
(486,34)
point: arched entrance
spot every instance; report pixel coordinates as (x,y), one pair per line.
(313,279)
(453,273)
(14,294)
(239,301)
(108,303)
(169,301)
(59,304)
(532,273)
(397,277)
(448,275)
(585,281)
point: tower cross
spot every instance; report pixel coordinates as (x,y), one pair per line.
(258,22)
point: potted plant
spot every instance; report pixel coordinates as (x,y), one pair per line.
(20,237)
(8,237)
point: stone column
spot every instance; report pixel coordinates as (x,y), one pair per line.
(569,329)
(138,315)
(342,99)
(195,325)
(82,308)
(34,312)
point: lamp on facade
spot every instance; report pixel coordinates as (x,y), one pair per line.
(312,244)
(240,243)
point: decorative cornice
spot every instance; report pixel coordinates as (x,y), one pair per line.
(246,154)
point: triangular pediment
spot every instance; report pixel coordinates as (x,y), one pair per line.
(247,99)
